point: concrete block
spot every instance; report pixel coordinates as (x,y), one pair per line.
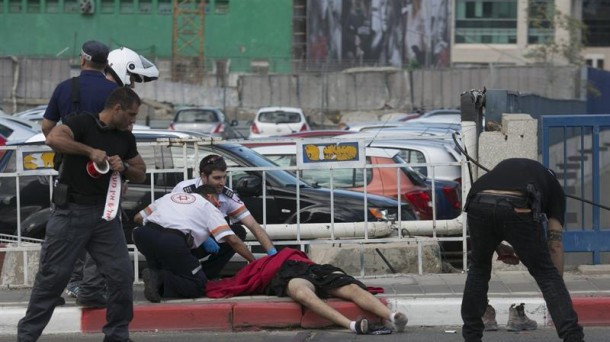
(20,267)
(401,256)
(276,315)
(594,269)
(519,125)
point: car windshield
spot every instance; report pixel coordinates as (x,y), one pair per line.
(279,116)
(196,116)
(253,159)
(415,176)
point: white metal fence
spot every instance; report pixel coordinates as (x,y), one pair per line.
(33,162)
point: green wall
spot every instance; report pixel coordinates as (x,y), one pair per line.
(248,29)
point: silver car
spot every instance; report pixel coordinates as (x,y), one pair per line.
(207,120)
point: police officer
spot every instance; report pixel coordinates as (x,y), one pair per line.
(173,225)
(85,214)
(93,88)
(213,171)
(125,68)
(512,202)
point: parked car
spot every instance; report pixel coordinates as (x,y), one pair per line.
(280,188)
(272,121)
(379,180)
(17,130)
(207,120)
(430,152)
(33,114)
(36,115)
(439,115)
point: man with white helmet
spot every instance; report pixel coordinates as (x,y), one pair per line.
(125,67)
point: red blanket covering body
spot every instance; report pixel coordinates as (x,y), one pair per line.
(254,278)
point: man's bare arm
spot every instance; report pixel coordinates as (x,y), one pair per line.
(61,139)
(555,243)
(259,233)
(239,247)
(46,126)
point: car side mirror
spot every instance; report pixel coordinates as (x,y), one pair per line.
(249,186)
(234,123)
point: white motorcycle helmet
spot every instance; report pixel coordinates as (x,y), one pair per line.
(124,63)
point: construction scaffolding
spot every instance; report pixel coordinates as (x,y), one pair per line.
(188,36)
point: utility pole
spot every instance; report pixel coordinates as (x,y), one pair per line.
(188,63)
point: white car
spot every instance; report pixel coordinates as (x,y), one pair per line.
(272,121)
(33,114)
(17,130)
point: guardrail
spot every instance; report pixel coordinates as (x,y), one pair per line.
(32,161)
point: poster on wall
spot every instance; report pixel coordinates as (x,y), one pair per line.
(350,33)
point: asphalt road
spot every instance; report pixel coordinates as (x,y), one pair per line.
(436,334)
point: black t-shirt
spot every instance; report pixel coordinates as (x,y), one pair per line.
(515,174)
(87,130)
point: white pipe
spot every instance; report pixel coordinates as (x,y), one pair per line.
(323,230)
(442,227)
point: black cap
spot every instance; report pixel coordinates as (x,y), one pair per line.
(95,51)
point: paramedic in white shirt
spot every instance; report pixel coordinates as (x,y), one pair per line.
(213,171)
(173,226)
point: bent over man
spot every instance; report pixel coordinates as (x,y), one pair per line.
(174,225)
(96,150)
(512,203)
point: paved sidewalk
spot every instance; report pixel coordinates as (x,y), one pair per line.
(428,300)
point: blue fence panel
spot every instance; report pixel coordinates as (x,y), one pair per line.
(576,147)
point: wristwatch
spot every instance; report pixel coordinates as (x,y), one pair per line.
(125,167)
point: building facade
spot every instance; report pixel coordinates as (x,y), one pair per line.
(317,35)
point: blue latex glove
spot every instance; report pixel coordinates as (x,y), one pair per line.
(271,252)
(210,246)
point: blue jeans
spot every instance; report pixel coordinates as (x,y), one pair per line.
(69,232)
(490,224)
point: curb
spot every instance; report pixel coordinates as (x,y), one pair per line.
(241,315)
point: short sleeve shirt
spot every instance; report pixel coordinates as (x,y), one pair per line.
(93,88)
(86,130)
(514,174)
(231,206)
(189,213)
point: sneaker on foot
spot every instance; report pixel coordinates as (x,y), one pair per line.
(362,326)
(73,290)
(517,320)
(399,321)
(151,285)
(489,319)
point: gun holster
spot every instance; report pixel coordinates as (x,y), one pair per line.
(60,195)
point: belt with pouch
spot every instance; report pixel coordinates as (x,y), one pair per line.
(502,200)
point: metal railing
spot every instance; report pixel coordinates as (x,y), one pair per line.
(359,234)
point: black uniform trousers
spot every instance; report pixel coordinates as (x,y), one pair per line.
(167,251)
(70,231)
(491,220)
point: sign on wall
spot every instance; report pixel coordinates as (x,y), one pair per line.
(327,155)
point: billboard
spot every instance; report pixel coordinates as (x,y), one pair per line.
(350,33)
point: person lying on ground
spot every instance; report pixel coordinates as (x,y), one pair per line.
(291,273)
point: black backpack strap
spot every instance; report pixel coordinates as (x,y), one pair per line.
(75,94)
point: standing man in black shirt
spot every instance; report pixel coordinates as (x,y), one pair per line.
(85,214)
(513,203)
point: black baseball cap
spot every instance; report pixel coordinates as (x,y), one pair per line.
(95,51)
